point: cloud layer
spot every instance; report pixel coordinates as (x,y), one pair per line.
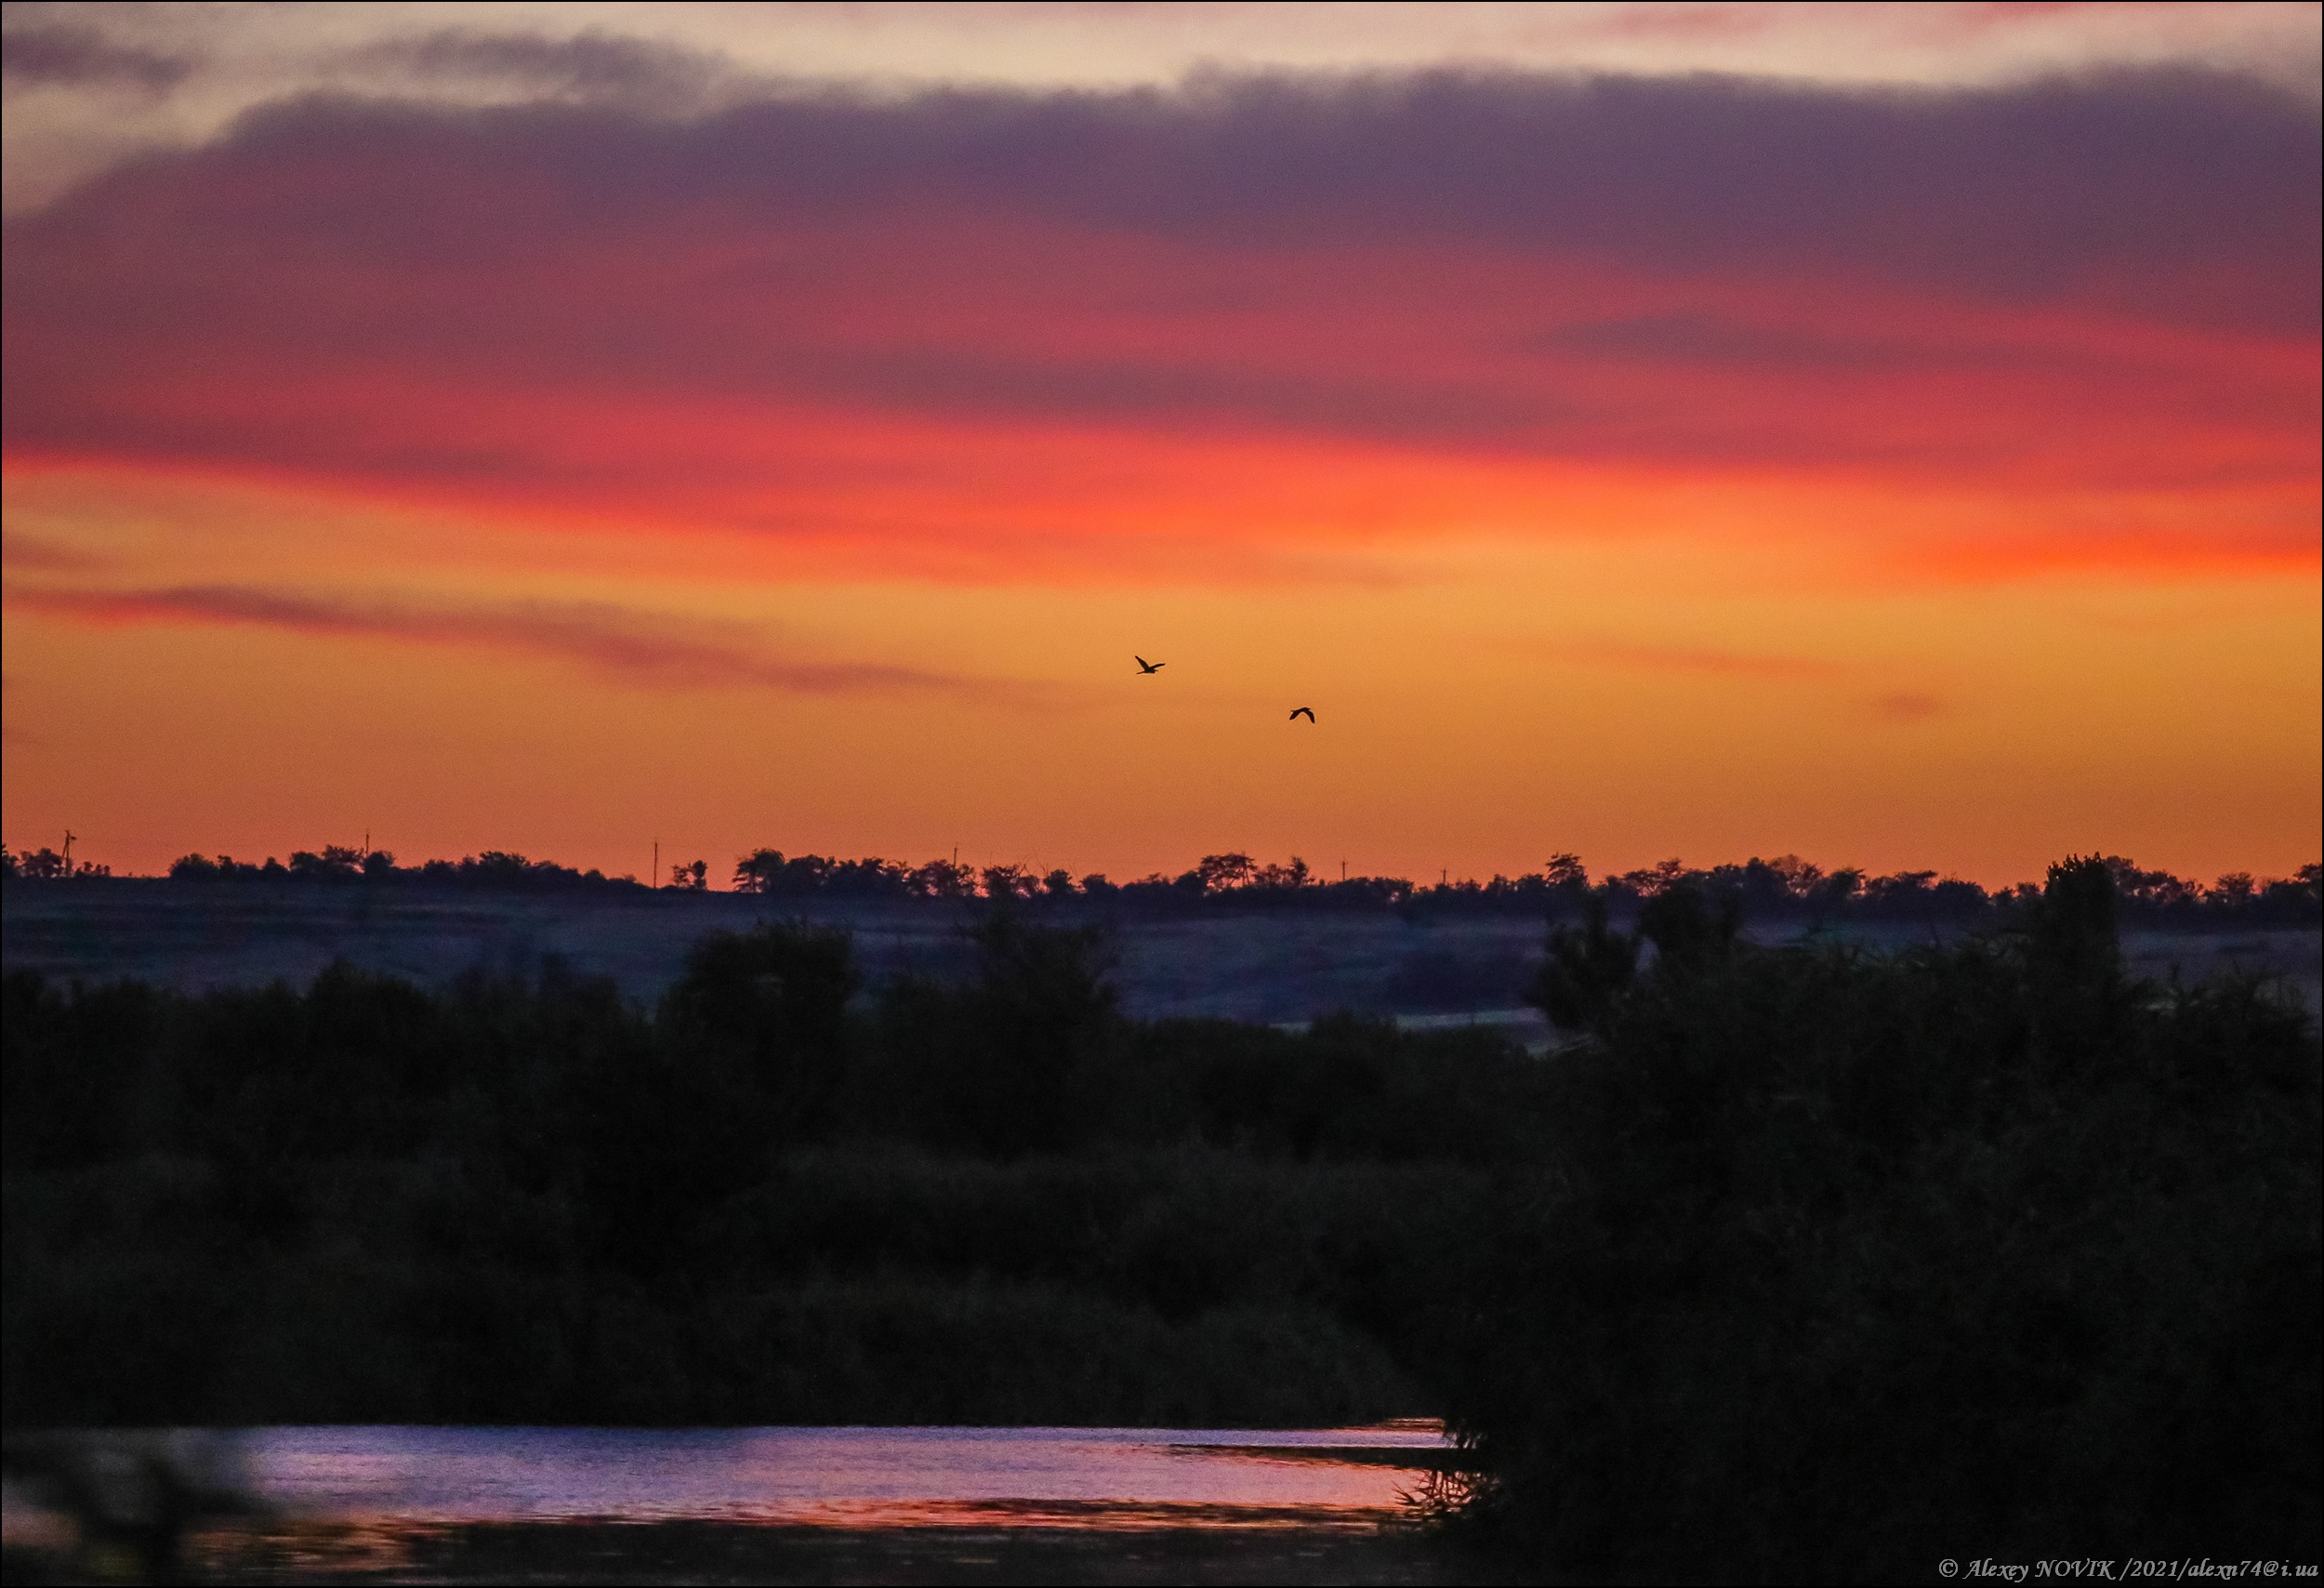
(930,327)
(91,82)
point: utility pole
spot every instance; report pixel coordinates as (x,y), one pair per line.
(68,852)
(654,878)
(1343,870)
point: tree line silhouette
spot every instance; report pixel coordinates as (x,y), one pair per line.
(1784,889)
(45,864)
(495,869)
(1803,1263)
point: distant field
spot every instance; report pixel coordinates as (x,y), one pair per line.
(1279,967)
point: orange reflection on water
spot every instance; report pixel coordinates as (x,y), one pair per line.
(844,1478)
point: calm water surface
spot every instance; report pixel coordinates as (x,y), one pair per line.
(845,1476)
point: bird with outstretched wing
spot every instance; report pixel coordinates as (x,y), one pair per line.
(1146,666)
(1300,711)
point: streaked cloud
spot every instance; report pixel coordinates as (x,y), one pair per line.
(20,550)
(637,647)
(909,326)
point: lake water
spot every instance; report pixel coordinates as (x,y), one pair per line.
(845,1476)
(774,1505)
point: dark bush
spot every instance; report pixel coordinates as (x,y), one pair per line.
(1840,1265)
(1008,1062)
(770,1004)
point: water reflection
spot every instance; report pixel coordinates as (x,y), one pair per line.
(753,1504)
(855,1478)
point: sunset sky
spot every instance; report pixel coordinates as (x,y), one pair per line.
(1886,435)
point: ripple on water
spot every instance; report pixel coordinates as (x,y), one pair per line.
(854,1477)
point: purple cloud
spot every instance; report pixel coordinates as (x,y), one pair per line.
(70,53)
(641,648)
(2107,281)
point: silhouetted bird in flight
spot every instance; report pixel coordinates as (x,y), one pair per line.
(1300,711)
(1146,666)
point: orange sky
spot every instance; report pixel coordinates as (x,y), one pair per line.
(1645,466)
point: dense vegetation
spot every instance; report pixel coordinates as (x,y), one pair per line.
(1838,1265)
(1793,1261)
(770,1200)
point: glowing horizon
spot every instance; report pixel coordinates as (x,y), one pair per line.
(1630,465)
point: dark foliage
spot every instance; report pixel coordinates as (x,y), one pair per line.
(770,1200)
(1803,1263)
(771,1006)
(1027,1038)
(1587,971)
(494,871)
(1785,890)
(1839,1265)
(45,864)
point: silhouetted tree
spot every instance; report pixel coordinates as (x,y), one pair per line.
(2074,963)
(1282,878)
(771,1003)
(1008,883)
(336,863)
(1588,971)
(943,879)
(45,864)
(1219,872)
(42,865)
(1003,1065)
(1690,933)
